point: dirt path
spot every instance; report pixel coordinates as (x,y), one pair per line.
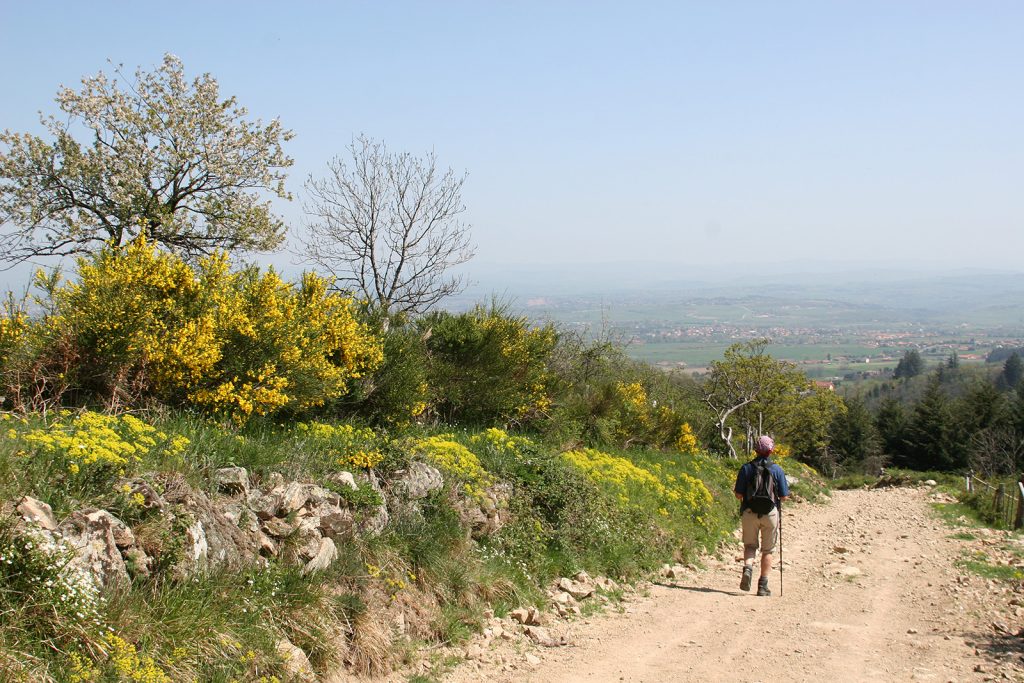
(871,593)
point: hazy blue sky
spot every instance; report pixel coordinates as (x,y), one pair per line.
(683,132)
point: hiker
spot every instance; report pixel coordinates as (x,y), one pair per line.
(761,487)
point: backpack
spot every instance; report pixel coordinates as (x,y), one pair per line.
(760,496)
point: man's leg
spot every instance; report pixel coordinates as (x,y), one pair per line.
(750,532)
(769,525)
(766,564)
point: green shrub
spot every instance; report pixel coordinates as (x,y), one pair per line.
(487,367)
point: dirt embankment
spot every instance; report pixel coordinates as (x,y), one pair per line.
(872,590)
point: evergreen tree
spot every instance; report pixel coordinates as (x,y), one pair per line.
(933,437)
(981,407)
(911,365)
(1013,371)
(854,435)
(891,424)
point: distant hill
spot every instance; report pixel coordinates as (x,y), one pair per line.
(622,292)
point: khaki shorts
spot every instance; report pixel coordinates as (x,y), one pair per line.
(766,526)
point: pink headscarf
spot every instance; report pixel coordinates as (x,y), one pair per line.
(764,445)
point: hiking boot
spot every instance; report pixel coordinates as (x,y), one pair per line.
(748,576)
(762,587)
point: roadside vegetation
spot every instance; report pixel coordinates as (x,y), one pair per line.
(210,472)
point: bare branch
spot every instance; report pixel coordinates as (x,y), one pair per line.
(389,224)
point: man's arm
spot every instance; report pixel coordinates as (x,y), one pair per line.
(741,484)
(783,485)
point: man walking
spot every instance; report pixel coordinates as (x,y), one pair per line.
(761,486)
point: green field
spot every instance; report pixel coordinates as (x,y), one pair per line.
(697,354)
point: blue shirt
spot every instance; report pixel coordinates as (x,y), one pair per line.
(747,472)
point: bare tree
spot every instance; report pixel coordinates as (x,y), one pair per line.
(995,451)
(387,225)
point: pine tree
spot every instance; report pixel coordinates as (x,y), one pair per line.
(854,435)
(911,365)
(891,424)
(933,437)
(1013,371)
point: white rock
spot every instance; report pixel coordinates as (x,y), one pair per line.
(296,663)
(326,554)
(37,512)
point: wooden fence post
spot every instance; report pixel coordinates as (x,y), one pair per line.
(1018,521)
(997,501)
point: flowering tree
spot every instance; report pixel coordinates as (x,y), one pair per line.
(388,225)
(159,156)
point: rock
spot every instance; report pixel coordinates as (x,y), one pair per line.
(296,663)
(606,584)
(326,554)
(418,481)
(304,545)
(293,496)
(576,589)
(242,516)
(37,512)
(532,660)
(274,480)
(541,636)
(485,515)
(90,535)
(151,498)
(343,479)
(790,479)
(528,616)
(138,563)
(563,598)
(676,572)
(268,548)
(372,522)
(317,495)
(278,527)
(197,547)
(336,521)
(212,540)
(234,480)
(474,651)
(840,549)
(565,611)
(930,482)
(265,506)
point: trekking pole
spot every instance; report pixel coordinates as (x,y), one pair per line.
(780,549)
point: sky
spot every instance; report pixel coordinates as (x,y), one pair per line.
(694,135)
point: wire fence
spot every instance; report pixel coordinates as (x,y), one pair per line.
(1007,499)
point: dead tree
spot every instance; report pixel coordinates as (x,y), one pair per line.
(387,227)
